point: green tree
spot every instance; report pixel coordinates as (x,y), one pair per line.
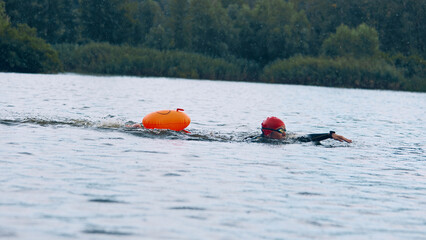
(22,51)
(273,29)
(69,15)
(324,18)
(55,21)
(4,19)
(226,3)
(398,23)
(362,41)
(105,20)
(149,15)
(176,23)
(208,27)
(157,38)
(244,27)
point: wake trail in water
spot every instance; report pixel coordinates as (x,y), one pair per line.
(47,122)
(125,127)
(119,126)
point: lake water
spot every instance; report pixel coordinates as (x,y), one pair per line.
(70,169)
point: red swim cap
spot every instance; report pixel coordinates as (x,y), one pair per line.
(272,123)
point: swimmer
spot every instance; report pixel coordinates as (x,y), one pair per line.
(274,128)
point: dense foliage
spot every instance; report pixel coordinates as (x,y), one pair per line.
(360,42)
(22,51)
(338,72)
(104,58)
(381,38)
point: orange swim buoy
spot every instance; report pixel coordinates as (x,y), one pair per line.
(175,120)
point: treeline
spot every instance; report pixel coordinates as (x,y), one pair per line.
(369,44)
(22,51)
(104,58)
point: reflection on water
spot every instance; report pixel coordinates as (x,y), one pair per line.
(69,168)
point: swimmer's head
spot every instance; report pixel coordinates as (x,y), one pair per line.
(273,127)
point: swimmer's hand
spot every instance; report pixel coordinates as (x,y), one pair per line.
(340,138)
(137,125)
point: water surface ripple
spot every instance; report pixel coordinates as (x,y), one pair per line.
(69,168)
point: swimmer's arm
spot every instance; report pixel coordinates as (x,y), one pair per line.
(137,125)
(322,136)
(339,138)
(315,137)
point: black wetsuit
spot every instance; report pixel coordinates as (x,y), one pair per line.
(315,137)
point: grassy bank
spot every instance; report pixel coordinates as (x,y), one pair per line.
(336,72)
(387,72)
(103,58)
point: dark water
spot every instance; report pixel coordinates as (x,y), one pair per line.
(70,169)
